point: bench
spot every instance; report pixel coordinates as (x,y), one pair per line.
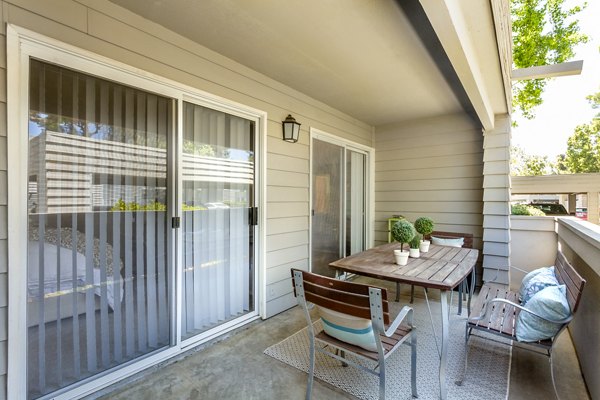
(496,311)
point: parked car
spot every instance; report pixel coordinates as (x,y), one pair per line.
(581,212)
(550,208)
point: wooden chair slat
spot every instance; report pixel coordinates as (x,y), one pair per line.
(358,300)
(352,287)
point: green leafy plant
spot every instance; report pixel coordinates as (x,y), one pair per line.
(403,231)
(524,209)
(121,205)
(414,242)
(424,225)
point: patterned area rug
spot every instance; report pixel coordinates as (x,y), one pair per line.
(487,374)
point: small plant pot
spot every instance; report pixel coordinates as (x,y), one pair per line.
(414,253)
(401,257)
(424,246)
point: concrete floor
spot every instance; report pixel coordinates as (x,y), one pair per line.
(235,368)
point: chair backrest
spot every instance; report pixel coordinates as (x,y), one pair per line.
(566,274)
(341,296)
(468,243)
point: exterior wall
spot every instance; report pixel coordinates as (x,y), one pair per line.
(496,196)
(430,167)
(106,29)
(533,244)
(580,242)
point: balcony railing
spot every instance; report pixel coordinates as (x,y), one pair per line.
(534,242)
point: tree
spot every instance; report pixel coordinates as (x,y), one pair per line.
(583,147)
(522,164)
(544,32)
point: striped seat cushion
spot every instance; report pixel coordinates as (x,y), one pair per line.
(349,329)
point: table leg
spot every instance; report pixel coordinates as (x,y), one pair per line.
(397,292)
(444,349)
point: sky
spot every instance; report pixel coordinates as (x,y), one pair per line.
(565,105)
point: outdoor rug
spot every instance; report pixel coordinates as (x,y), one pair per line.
(487,374)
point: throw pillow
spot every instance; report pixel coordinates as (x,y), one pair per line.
(550,303)
(349,329)
(538,282)
(452,242)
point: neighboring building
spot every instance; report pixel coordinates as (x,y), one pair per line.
(148,202)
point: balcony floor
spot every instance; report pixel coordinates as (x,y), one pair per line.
(234,367)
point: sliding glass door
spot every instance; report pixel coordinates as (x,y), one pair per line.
(219,218)
(98,280)
(109,185)
(339,201)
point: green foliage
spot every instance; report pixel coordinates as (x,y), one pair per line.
(523,209)
(544,32)
(121,205)
(583,147)
(424,225)
(185,207)
(403,231)
(414,242)
(190,147)
(522,164)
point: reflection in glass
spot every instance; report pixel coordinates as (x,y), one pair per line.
(97,277)
(218,240)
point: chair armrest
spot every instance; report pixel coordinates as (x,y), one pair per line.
(405,313)
(520,307)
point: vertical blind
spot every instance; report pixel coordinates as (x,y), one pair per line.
(97,273)
(218,177)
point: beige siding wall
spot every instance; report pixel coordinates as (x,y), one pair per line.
(103,28)
(430,167)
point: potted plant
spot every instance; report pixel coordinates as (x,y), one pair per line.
(403,232)
(424,225)
(414,244)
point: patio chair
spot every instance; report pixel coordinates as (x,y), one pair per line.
(496,311)
(361,304)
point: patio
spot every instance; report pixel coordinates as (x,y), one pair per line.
(234,367)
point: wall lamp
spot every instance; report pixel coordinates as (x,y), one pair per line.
(291,129)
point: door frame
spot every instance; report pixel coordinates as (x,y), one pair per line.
(23,44)
(369,184)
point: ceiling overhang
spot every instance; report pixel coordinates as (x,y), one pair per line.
(364,58)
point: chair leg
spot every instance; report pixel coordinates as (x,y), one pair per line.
(552,375)
(382,380)
(460,381)
(413,364)
(311,369)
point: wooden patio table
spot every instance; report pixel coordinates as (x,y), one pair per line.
(442,267)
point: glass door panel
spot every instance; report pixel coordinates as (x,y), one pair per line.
(327,197)
(355,202)
(98,283)
(218,175)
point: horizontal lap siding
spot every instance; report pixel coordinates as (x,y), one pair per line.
(430,167)
(108,30)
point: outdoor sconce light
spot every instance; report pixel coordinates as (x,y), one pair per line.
(291,129)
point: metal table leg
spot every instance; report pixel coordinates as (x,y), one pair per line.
(444,349)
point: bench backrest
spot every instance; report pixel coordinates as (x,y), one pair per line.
(566,274)
(468,243)
(341,296)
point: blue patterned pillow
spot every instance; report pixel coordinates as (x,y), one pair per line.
(535,281)
(551,303)
(349,329)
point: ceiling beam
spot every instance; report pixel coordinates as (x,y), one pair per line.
(548,71)
(421,24)
(457,64)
